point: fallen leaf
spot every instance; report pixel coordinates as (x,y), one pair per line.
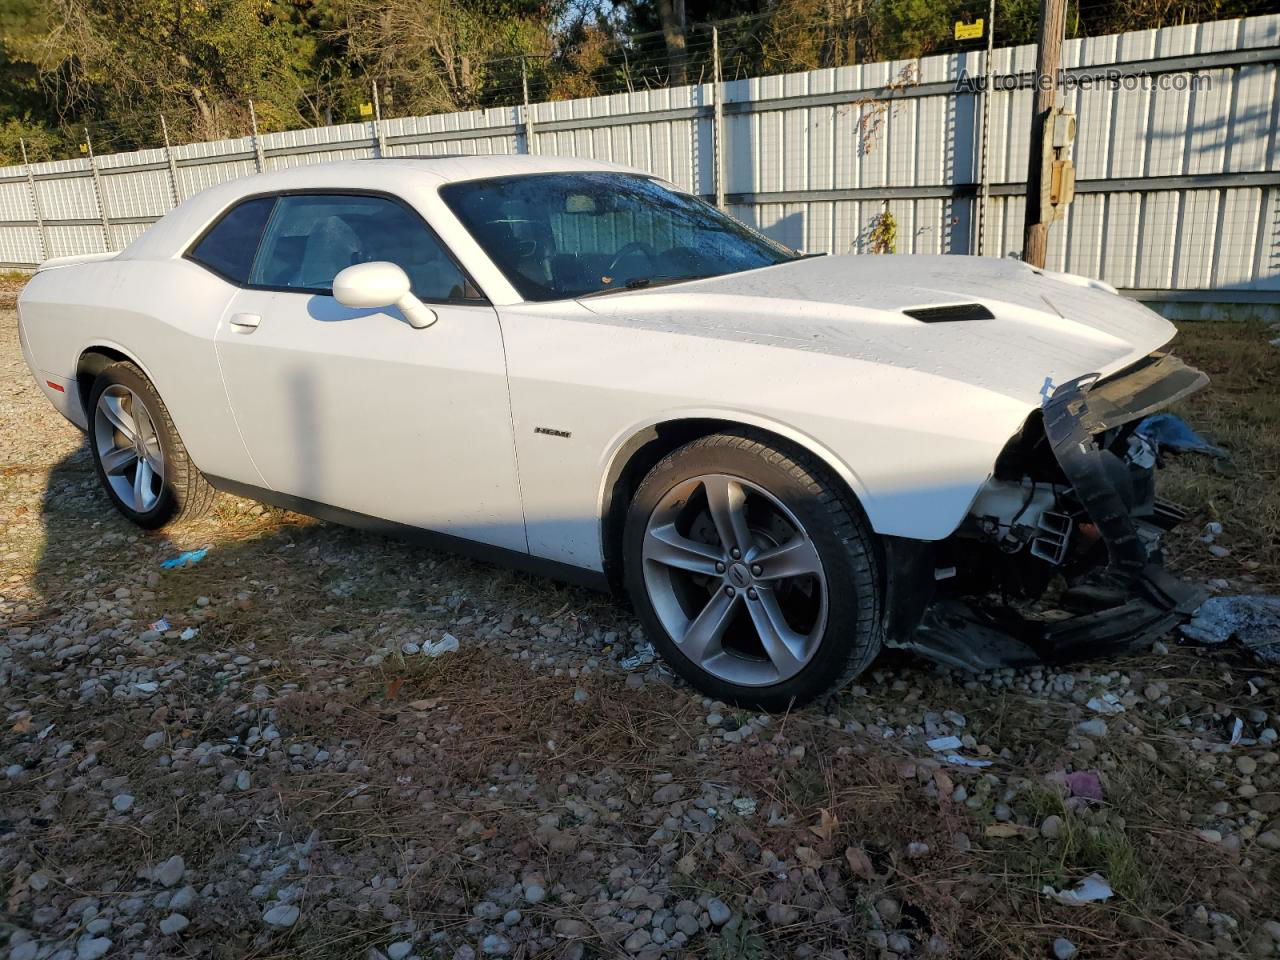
(808,857)
(23,724)
(1004,831)
(860,863)
(430,704)
(394,687)
(946,786)
(826,827)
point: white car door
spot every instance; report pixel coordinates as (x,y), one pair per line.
(356,409)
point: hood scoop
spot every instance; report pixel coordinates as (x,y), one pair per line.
(950,313)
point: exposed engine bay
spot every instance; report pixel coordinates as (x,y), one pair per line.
(1060,553)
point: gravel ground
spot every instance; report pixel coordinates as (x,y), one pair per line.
(278,752)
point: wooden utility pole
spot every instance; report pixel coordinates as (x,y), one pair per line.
(1053,20)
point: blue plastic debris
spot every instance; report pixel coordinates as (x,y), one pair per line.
(188,558)
(1169,432)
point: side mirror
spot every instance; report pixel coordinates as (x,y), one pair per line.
(368,286)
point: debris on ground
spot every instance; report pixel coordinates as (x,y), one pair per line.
(1168,431)
(1092,889)
(436,648)
(1252,620)
(188,558)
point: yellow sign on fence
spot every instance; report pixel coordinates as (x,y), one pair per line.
(968,31)
(366,109)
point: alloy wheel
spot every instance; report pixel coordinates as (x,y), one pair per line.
(735,580)
(128,448)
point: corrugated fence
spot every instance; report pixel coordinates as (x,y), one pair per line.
(1178,165)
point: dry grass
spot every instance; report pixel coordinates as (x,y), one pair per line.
(1239,411)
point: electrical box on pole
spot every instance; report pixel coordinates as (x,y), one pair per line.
(1057,173)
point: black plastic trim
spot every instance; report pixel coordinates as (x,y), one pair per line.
(951,313)
(434,539)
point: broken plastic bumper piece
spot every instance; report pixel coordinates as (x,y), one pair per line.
(1140,600)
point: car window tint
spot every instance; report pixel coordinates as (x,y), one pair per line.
(229,247)
(312,238)
(559,235)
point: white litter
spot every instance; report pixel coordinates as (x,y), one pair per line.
(188,634)
(446,644)
(1108,704)
(643,656)
(944,743)
(1091,889)
(148,686)
(1237,729)
(966,761)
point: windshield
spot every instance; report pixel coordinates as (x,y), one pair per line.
(561,235)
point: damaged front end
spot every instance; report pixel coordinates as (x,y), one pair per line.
(1059,557)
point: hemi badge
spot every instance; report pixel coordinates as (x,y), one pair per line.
(56,386)
(550,432)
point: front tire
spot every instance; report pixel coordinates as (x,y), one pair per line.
(753,572)
(141,461)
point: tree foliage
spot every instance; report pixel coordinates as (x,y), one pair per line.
(115,66)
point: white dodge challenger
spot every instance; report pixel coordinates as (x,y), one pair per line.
(785,461)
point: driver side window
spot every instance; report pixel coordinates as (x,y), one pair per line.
(311,238)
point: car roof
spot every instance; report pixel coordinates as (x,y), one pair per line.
(400,176)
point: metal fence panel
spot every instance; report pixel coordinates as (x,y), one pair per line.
(1179,189)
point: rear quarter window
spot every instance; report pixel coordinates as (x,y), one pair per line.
(229,246)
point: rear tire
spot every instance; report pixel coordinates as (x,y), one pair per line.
(753,571)
(140,460)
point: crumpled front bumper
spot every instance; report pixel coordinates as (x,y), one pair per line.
(1152,602)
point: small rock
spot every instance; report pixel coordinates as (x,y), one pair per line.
(637,941)
(170,872)
(900,943)
(400,949)
(718,911)
(122,802)
(1247,766)
(1097,727)
(1051,827)
(535,892)
(1269,840)
(889,910)
(669,793)
(173,923)
(573,929)
(91,948)
(282,915)
(1064,949)
(495,945)
(24,951)
(154,741)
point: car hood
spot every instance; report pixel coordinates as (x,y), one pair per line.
(1044,328)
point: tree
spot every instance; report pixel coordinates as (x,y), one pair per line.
(200,61)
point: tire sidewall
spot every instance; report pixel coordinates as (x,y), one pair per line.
(852,623)
(167,503)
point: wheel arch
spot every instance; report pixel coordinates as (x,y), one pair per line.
(92,361)
(639,451)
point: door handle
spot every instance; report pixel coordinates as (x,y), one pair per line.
(245,322)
